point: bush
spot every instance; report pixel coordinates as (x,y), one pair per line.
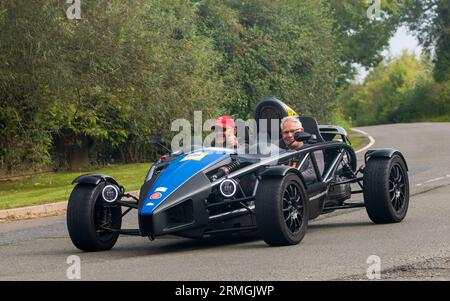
(401,90)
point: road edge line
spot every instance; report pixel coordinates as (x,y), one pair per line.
(36,211)
(371,140)
(32,211)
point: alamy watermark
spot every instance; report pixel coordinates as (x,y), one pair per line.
(73,272)
(374,12)
(253,137)
(73,12)
(374,269)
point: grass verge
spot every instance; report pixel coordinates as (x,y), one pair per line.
(358,141)
(442,118)
(54,187)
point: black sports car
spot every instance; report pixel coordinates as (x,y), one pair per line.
(214,190)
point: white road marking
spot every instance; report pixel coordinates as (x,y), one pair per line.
(433,180)
(372,142)
(371,139)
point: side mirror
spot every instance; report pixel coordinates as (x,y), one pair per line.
(302,136)
(161,144)
(156,140)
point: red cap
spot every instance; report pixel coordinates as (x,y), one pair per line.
(225,122)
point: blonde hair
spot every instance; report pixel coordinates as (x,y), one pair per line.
(290,119)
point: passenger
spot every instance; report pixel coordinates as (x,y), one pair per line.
(225,133)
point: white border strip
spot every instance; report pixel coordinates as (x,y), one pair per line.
(371,139)
(433,180)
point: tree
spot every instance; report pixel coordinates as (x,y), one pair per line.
(28,70)
(399,90)
(361,40)
(273,48)
(430,20)
(108,82)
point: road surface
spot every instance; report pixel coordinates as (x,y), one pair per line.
(336,246)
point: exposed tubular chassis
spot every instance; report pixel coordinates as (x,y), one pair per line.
(211,191)
(267,162)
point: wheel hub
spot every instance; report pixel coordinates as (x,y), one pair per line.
(397,188)
(292,208)
(294,214)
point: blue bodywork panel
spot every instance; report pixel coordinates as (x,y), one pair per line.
(179,172)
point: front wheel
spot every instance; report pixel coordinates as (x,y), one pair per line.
(386,189)
(282,210)
(87,219)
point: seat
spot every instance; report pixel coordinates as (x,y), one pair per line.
(267,111)
(310,125)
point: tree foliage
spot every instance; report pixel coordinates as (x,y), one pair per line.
(273,48)
(399,90)
(430,20)
(96,90)
(362,39)
(107,82)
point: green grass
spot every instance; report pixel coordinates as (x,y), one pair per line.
(443,118)
(54,187)
(358,141)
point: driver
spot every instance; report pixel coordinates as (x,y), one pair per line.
(289,126)
(225,132)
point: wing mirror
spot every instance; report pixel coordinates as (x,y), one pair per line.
(159,142)
(303,136)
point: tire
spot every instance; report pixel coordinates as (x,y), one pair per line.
(85,214)
(386,189)
(276,222)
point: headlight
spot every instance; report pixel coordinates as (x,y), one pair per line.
(150,173)
(110,193)
(228,188)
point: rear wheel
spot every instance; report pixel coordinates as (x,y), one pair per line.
(386,189)
(282,210)
(87,217)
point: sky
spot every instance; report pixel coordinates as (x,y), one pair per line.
(400,41)
(403,40)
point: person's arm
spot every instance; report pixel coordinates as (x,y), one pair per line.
(232,141)
(308,172)
(320,161)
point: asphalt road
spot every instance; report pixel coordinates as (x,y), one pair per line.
(336,246)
